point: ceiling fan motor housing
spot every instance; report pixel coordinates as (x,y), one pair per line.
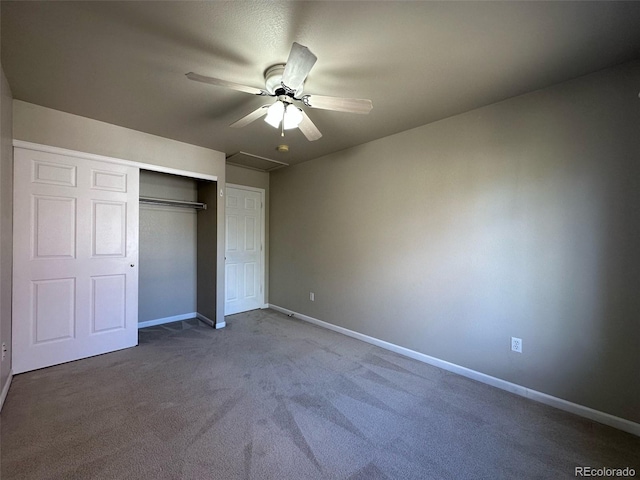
(273,80)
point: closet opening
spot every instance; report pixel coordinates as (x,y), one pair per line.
(177,249)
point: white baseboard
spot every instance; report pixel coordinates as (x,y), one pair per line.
(581,410)
(160,321)
(5,389)
(211,322)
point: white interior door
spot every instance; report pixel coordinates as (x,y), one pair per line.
(75,283)
(244,251)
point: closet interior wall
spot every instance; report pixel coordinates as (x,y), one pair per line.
(207,233)
(169,250)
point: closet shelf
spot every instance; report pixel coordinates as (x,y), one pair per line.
(173,203)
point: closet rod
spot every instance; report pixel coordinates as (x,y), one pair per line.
(173,203)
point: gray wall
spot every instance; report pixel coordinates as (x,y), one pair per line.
(46,126)
(6,222)
(254,178)
(167,273)
(517,219)
(247,177)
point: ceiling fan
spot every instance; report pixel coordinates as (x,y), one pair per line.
(286,82)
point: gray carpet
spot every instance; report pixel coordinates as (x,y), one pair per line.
(271,397)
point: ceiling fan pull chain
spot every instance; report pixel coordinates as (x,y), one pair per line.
(284,112)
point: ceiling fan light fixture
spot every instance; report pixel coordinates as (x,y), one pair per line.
(292,117)
(274,114)
(289,114)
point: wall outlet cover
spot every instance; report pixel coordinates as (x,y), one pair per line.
(516,344)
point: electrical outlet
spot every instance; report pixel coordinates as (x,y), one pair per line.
(312,296)
(516,344)
(4,350)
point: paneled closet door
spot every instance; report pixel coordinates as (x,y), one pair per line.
(75,258)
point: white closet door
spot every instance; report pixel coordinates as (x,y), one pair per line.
(243,251)
(75,281)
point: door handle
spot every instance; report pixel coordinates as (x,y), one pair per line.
(132,265)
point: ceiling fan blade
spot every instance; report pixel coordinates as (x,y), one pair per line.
(349,105)
(252,117)
(298,66)
(308,128)
(224,83)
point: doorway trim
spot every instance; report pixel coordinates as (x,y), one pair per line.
(263,247)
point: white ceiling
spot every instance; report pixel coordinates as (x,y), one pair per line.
(419,62)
